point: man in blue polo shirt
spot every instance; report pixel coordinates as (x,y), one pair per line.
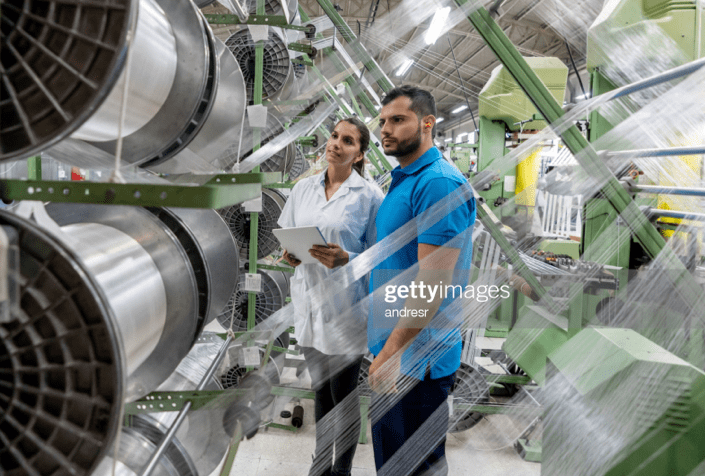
(425,345)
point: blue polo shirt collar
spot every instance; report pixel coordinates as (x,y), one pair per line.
(428,157)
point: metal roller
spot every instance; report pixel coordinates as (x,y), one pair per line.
(201,436)
(171,260)
(67,74)
(62,372)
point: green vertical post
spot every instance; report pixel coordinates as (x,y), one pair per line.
(254,217)
(575,316)
(232,450)
(34,168)
(599,126)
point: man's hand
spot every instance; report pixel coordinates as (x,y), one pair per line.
(291,259)
(384,373)
(330,257)
(523,287)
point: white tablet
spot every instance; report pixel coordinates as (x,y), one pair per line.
(297,241)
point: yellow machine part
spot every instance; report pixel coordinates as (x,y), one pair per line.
(527,174)
(673,202)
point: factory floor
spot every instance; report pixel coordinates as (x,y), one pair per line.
(485,449)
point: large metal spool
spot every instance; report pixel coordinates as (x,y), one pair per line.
(62,372)
(275,288)
(299,165)
(238,220)
(95,328)
(188,253)
(67,72)
(469,388)
(277,71)
(61,60)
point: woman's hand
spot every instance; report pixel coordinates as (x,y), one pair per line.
(330,257)
(291,259)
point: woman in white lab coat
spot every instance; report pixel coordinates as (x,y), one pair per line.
(343,206)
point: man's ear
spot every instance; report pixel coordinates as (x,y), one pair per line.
(428,122)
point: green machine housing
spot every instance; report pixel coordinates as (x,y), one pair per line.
(502,105)
(615,385)
(620,19)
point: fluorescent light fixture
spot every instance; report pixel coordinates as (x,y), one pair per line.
(461,135)
(434,31)
(368,119)
(448,139)
(458,109)
(404,67)
(439,119)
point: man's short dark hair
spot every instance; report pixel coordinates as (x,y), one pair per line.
(422,102)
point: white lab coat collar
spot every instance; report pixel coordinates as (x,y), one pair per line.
(353,181)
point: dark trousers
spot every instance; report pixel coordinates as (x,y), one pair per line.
(334,379)
(398,425)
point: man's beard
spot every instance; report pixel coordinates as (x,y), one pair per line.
(407,146)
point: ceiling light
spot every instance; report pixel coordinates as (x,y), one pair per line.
(457,109)
(449,139)
(434,31)
(404,67)
(439,119)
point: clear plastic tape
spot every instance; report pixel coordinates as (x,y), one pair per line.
(616,407)
(570,19)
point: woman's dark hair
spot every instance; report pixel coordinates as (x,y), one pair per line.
(359,167)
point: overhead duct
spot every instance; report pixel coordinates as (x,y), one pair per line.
(67,72)
(238,220)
